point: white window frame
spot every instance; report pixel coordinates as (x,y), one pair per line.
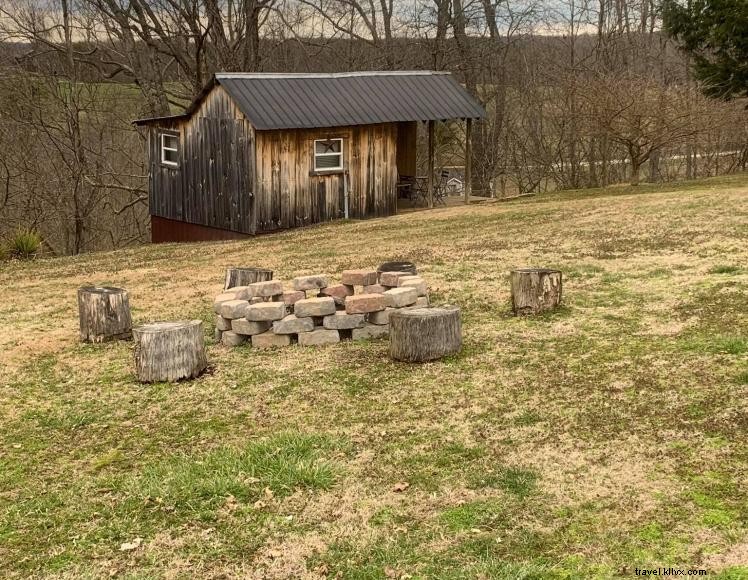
(331,154)
(162,138)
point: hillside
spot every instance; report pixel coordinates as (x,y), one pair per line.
(605,437)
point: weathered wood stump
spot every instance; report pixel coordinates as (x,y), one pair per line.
(423,334)
(409,267)
(535,290)
(104,314)
(246,276)
(169,351)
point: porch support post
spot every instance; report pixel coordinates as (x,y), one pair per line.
(431,165)
(467,188)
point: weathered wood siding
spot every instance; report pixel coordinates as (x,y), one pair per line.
(289,193)
(213,184)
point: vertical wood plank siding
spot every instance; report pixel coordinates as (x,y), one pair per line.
(235,178)
(213,184)
(289,193)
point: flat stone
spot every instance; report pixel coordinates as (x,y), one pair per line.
(220,299)
(265,289)
(233,309)
(399,297)
(391,278)
(407,277)
(266,311)
(337,292)
(381,317)
(230,338)
(343,321)
(310,282)
(363,303)
(422,302)
(371,331)
(270,340)
(319,337)
(240,292)
(314,307)
(415,282)
(359,277)
(374,289)
(223,323)
(291,297)
(249,327)
(292,324)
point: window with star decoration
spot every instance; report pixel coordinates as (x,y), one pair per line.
(328,154)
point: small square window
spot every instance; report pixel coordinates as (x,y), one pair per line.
(170,149)
(328,154)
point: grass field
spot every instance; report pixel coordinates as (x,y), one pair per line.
(608,436)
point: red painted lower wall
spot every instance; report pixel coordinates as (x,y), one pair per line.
(166,230)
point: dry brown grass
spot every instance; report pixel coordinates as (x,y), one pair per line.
(607,436)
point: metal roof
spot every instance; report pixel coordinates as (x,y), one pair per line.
(309,100)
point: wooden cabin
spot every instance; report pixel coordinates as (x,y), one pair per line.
(258,152)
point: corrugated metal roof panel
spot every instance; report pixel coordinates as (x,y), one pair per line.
(305,101)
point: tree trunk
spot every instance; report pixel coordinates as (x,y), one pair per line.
(654,167)
(246,276)
(423,334)
(104,314)
(169,351)
(535,290)
(635,171)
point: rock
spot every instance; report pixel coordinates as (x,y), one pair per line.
(381,317)
(291,297)
(314,307)
(390,279)
(249,327)
(319,337)
(270,340)
(240,292)
(371,331)
(314,282)
(266,311)
(220,299)
(374,289)
(337,292)
(343,321)
(233,309)
(230,338)
(364,303)
(217,334)
(415,282)
(399,297)
(223,323)
(292,324)
(265,289)
(359,277)
(422,302)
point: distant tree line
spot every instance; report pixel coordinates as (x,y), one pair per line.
(579,93)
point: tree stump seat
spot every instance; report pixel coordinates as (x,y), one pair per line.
(245,276)
(169,351)
(104,314)
(535,290)
(424,334)
(409,267)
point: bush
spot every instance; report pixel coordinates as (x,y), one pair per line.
(24,244)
